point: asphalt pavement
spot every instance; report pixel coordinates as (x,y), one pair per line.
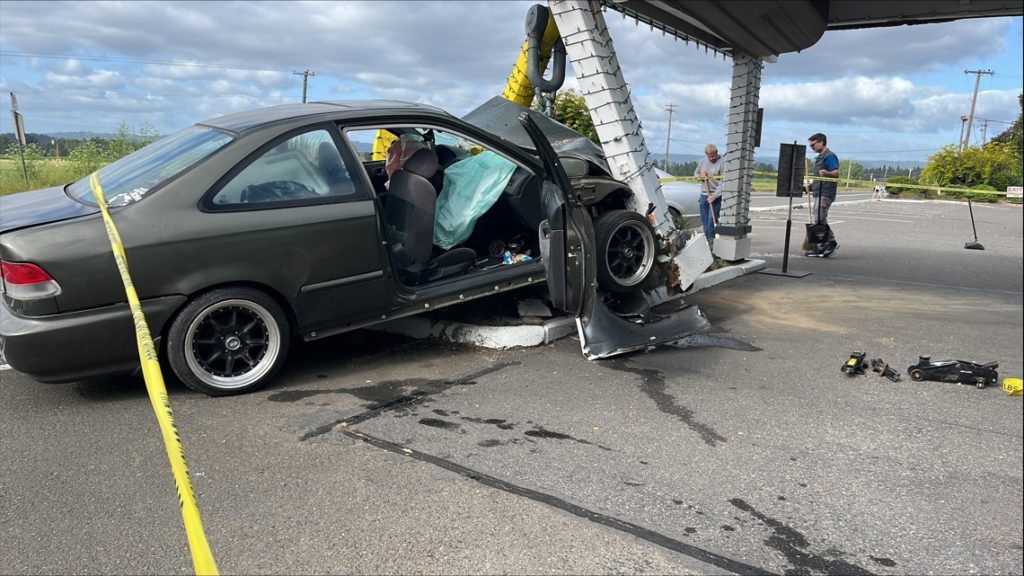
(744,450)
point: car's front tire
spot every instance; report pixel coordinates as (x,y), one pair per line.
(625,250)
(228,341)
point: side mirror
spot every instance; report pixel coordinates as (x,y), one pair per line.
(574,167)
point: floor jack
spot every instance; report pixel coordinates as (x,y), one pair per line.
(959,371)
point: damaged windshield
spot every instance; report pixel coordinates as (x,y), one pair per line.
(130,178)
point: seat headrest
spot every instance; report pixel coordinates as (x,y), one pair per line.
(445,155)
(423,162)
(329,160)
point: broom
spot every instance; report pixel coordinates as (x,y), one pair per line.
(808,245)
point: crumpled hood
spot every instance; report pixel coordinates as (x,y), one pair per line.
(36,207)
(500,116)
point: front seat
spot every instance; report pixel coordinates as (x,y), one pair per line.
(409,215)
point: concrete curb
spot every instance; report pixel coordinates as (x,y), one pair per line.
(522,335)
(709,279)
(494,337)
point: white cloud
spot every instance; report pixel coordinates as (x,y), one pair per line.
(174,63)
(92,79)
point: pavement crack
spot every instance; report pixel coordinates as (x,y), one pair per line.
(792,544)
(636,530)
(653,385)
(427,389)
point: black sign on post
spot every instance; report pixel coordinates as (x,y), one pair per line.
(790,185)
(792,170)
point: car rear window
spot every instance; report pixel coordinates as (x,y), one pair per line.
(130,178)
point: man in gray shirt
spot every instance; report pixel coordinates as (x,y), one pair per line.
(709,170)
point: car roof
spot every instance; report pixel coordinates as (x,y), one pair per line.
(247,120)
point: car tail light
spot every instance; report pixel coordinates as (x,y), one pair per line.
(26,281)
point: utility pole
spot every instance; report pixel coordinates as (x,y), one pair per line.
(974,100)
(305,81)
(960,142)
(668,138)
(19,134)
(984,129)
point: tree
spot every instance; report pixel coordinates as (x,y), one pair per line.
(88,156)
(996,164)
(571,110)
(127,141)
(683,169)
(1015,133)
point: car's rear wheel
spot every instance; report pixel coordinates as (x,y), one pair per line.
(228,341)
(677,218)
(625,250)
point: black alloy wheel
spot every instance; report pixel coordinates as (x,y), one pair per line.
(625,250)
(228,341)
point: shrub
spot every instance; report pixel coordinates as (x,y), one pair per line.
(981,196)
(892,186)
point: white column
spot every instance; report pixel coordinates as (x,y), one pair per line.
(589,47)
(732,242)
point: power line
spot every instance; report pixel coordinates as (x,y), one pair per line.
(139,61)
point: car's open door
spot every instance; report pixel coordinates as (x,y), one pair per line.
(568,250)
(567,236)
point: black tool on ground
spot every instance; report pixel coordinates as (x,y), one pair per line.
(973,244)
(856,364)
(960,371)
(883,369)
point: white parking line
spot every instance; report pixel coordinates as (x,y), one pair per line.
(878,219)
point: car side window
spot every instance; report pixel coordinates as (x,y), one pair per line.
(304,168)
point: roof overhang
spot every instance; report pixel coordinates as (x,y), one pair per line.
(767,28)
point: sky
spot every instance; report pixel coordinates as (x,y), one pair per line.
(895,93)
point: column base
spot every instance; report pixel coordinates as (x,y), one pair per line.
(729,248)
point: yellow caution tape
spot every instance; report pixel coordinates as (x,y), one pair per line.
(202,557)
(865,183)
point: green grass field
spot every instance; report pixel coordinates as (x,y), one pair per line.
(42,174)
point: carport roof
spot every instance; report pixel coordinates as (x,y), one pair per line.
(767,28)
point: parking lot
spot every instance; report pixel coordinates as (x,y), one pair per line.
(744,450)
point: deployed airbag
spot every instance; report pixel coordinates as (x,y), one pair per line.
(471,187)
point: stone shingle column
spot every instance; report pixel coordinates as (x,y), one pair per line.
(732,242)
(589,47)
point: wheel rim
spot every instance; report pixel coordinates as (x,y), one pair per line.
(630,253)
(232,344)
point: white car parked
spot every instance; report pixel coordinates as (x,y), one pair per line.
(681,198)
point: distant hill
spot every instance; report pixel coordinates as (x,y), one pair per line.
(81,135)
(368,147)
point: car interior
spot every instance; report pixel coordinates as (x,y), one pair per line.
(289,173)
(485,221)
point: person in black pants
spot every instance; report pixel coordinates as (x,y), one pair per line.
(826,165)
